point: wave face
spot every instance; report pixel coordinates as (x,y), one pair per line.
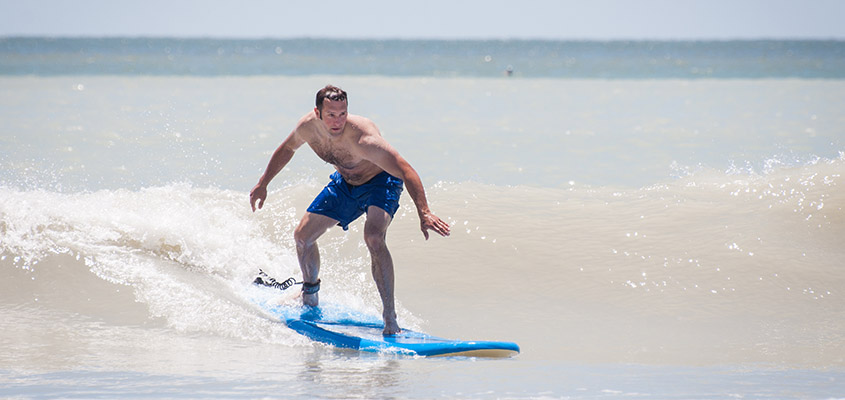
(711,268)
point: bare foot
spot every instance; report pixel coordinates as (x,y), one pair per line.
(391,328)
(310,299)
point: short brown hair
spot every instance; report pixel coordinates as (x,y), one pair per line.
(332,93)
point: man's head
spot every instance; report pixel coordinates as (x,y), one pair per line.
(331,93)
(331,107)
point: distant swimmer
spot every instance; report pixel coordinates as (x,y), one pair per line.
(509,70)
(369,179)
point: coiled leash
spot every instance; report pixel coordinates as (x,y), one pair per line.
(266,280)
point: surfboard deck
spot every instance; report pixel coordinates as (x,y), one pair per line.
(349,329)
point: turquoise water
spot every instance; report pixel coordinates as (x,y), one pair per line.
(433,58)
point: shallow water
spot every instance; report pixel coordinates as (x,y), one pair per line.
(666,239)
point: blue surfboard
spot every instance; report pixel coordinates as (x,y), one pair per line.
(343,328)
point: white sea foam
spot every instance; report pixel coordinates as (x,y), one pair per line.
(712,258)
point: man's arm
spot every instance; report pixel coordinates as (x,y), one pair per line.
(280,158)
(379,152)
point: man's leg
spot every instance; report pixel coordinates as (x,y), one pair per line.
(375,232)
(310,228)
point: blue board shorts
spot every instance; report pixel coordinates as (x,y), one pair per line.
(345,203)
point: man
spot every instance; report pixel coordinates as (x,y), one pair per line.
(369,179)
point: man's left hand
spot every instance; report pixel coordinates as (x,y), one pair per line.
(431,221)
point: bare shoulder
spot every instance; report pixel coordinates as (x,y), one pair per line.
(376,147)
(306,125)
(307,120)
(363,126)
(367,133)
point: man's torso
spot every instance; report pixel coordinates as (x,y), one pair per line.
(342,151)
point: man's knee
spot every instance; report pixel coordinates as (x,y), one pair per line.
(375,229)
(300,238)
(375,239)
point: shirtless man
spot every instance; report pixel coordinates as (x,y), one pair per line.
(369,179)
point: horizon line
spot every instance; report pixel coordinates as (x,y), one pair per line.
(434,39)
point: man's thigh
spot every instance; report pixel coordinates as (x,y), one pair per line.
(312,226)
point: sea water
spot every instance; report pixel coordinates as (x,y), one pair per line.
(660,234)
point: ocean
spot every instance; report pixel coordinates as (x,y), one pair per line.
(657,220)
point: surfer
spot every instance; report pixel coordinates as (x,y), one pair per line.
(369,179)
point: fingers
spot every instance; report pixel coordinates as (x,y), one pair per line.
(257,194)
(444,228)
(440,227)
(437,225)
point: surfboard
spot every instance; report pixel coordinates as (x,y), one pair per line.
(343,328)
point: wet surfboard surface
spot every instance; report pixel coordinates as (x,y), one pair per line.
(350,329)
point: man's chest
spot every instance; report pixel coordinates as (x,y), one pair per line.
(335,153)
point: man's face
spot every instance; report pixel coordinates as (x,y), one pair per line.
(333,115)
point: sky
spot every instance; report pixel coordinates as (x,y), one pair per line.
(429,19)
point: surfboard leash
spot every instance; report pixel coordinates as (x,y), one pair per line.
(267,280)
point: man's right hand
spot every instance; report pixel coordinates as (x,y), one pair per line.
(259,194)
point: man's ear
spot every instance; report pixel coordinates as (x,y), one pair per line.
(317,112)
